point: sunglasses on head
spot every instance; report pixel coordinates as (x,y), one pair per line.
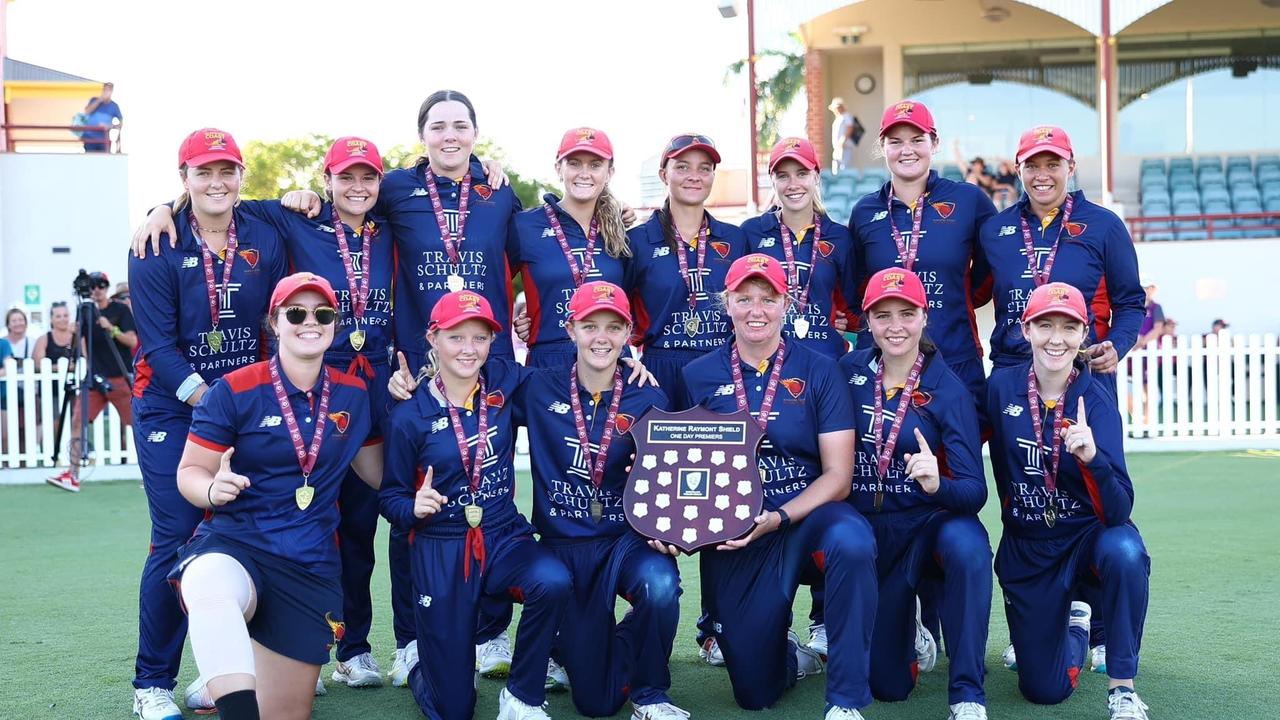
(680,142)
(296,314)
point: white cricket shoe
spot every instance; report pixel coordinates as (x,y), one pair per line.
(968,711)
(818,640)
(321,690)
(360,671)
(155,703)
(926,646)
(510,708)
(1125,705)
(842,713)
(710,651)
(557,678)
(400,665)
(493,659)
(808,661)
(197,695)
(658,711)
(1010,658)
(1098,659)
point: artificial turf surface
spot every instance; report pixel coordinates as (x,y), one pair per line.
(68,610)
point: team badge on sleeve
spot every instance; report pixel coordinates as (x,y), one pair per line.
(249,256)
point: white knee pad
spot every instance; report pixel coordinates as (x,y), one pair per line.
(220,599)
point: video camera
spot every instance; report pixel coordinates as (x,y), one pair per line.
(85,283)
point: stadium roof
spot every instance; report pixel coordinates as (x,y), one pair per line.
(18,71)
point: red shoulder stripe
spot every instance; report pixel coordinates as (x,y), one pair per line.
(207,444)
(342,378)
(248,377)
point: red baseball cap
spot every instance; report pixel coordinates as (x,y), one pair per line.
(209,145)
(1059,298)
(296,283)
(684,142)
(599,295)
(910,112)
(1044,138)
(794,148)
(459,307)
(756,265)
(894,282)
(351,150)
(585,139)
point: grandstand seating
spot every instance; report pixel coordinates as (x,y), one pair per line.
(1185,187)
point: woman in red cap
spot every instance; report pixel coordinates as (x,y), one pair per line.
(567,242)
(1066,501)
(198,308)
(918,479)
(678,264)
(802,406)
(269,448)
(816,251)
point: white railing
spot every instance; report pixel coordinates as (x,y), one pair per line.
(1215,386)
(31,418)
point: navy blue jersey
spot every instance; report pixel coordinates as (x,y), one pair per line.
(562,487)
(242,412)
(422,265)
(944,412)
(1095,254)
(659,295)
(312,245)
(1097,492)
(548,281)
(833,286)
(948,261)
(171,306)
(812,399)
(419,435)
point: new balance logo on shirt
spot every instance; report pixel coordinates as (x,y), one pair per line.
(1012,410)
(724,390)
(439,425)
(1006,230)
(559,408)
(270,421)
(767,242)
(190,262)
(157,437)
(548,232)
(858,380)
(880,215)
(662,251)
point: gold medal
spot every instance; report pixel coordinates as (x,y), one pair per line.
(303,495)
(801,326)
(473,513)
(214,338)
(454,283)
(1051,516)
(597,510)
(357,339)
(691,325)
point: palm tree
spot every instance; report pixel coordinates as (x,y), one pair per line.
(775,93)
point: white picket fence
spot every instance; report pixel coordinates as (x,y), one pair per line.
(1213,387)
(30,423)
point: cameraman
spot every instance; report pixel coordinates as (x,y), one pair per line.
(110,361)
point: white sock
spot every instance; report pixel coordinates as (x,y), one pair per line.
(220,599)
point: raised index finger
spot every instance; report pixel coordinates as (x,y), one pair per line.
(924,444)
(1080,418)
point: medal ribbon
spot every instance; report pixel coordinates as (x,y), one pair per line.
(474,544)
(588,261)
(793,270)
(770,390)
(451,247)
(703,233)
(1037,276)
(207,256)
(1037,428)
(359,293)
(306,457)
(908,254)
(886,445)
(606,438)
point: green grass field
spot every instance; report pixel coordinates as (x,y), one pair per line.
(68,610)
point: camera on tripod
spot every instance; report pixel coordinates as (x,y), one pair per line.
(86,282)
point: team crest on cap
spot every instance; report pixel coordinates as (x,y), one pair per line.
(357,147)
(469,302)
(338,627)
(602,292)
(1043,133)
(484,191)
(215,140)
(795,386)
(495,399)
(1074,229)
(757,263)
(341,420)
(904,109)
(894,280)
(251,257)
(623,422)
(721,248)
(791,144)
(825,248)
(944,208)
(1058,295)
(586,136)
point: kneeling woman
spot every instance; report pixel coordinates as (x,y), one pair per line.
(269,447)
(918,480)
(806,460)
(1058,456)
(579,451)
(450,481)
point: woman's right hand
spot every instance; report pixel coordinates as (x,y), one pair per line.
(521,326)
(664,548)
(303,201)
(428,502)
(226,484)
(159,221)
(402,382)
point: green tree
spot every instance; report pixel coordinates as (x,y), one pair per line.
(779,79)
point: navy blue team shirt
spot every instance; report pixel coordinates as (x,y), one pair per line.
(834,280)
(242,412)
(811,399)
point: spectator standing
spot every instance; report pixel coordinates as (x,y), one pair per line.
(121,295)
(17,345)
(842,141)
(101,111)
(1153,322)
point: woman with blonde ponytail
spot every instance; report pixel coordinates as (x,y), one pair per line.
(567,242)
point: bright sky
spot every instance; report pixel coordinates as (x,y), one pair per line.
(641,71)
